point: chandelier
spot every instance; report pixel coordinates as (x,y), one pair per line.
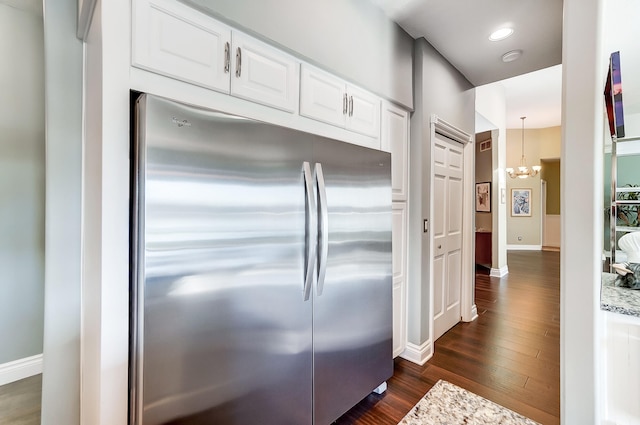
(523,171)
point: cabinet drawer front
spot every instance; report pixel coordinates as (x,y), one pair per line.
(174,40)
(322,97)
(266,75)
(364,113)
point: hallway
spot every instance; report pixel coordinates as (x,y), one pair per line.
(510,354)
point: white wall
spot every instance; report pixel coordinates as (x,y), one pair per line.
(581,210)
(63,79)
(22,184)
(351,38)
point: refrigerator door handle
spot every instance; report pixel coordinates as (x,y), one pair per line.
(311,231)
(323,227)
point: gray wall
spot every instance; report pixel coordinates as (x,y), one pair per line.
(22,186)
(351,38)
(438,89)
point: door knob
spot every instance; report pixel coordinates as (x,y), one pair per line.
(439,246)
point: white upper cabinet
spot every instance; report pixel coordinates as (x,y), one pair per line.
(322,97)
(172,39)
(327,98)
(395,139)
(264,74)
(363,114)
(175,40)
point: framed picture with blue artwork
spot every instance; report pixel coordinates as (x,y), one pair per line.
(521,202)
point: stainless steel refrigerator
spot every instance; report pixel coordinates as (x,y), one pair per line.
(261,270)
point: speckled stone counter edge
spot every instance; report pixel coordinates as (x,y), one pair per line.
(619,300)
(449,404)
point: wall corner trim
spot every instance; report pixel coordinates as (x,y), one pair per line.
(20,369)
(418,354)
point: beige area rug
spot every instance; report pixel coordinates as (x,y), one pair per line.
(449,404)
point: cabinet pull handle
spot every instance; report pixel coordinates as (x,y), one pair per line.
(238,62)
(350,106)
(227,57)
(344,104)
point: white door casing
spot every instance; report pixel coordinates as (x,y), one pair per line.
(451,230)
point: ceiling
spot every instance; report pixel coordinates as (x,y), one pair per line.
(459,30)
(30,6)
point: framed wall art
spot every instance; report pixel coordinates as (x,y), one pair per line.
(483,197)
(521,202)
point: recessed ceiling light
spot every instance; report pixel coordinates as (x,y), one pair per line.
(501,34)
(512,55)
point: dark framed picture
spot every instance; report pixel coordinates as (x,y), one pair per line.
(483,197)
(521,202)
(613,97)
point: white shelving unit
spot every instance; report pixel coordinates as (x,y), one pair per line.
(628,146)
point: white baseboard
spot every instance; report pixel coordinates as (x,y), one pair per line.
(524,247)
(20,369)
(501,272)
(418,354)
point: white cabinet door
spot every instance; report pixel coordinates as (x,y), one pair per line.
(399,327)
(322,96)
(395,139)
(264,74)
(175,40)
(329,99)
(363,112)
(399,251)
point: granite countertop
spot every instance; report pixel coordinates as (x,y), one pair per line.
(447,403)
(617,299)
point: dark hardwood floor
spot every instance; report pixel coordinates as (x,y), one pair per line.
(510,354)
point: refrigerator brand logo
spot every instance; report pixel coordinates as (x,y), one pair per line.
(181,123)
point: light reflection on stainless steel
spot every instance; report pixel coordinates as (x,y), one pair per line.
(352,317)
(226,333)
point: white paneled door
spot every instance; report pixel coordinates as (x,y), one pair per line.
(447,233)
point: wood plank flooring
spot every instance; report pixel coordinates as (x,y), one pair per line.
(510,354)
(20,402)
